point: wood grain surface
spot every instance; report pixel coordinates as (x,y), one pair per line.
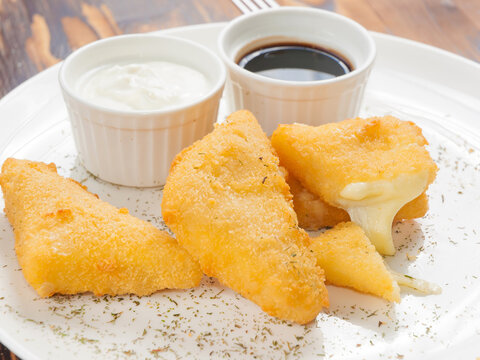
(36,34)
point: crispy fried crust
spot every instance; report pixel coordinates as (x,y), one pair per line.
(349,259)
(68,241)
(229,205)
(313,213)
(327,158)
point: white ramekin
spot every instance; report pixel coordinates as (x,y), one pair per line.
(277,102)
(136,148)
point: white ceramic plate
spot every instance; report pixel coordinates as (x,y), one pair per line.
(438,90)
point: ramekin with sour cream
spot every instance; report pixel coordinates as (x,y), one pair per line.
(135,101)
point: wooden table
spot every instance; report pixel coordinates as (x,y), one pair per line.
(35,34)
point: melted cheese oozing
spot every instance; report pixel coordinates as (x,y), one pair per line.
(373,205)
(420,285)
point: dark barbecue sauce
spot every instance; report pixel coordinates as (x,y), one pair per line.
(295,62)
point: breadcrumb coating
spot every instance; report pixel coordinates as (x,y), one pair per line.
(349,259)
(329,157)
(68,241)
(312,212)
(228,204)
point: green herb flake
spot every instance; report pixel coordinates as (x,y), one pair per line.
(115,316)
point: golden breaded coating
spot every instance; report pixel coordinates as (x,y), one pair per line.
(349,259)
(229,205)
(313,213)
(368,167)
(68,241)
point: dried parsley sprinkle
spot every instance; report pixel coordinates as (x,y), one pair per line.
(115,316)
(216,295)
(241,345)
(85,340)
(171,300)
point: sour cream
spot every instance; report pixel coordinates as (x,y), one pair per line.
(150,85)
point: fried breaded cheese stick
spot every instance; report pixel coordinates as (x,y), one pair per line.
(313,213)
(368,167)
(229,205)
(349,259)
(68,241)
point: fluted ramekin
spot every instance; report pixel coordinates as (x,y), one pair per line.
(277,102)
(136,148)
